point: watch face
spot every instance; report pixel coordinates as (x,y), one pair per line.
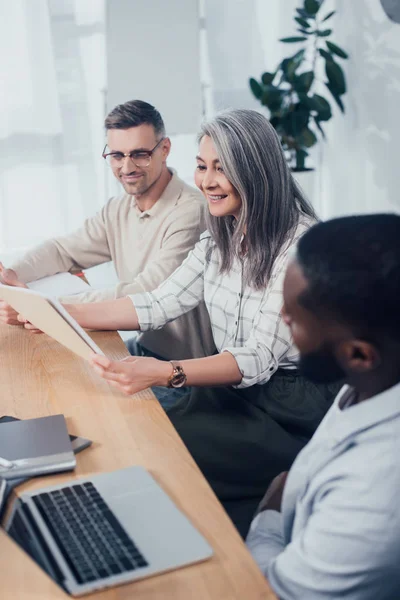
(178,377)
(178,380)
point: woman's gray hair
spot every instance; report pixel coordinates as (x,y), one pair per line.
(253,161)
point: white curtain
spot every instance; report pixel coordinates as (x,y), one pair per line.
(52,73)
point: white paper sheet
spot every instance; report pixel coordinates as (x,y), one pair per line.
(62,284)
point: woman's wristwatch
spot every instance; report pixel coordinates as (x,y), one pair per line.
(178,377)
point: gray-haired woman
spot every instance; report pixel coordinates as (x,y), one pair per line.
(246,432)
(257,213)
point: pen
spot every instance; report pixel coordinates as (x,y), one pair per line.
(6,464)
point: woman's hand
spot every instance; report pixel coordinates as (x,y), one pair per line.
(7,314)
(27,324)
(133,374)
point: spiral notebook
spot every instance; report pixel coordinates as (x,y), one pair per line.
(36,447)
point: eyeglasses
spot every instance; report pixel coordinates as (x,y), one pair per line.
(141,158)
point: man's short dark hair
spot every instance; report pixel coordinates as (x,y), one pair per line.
(133,114)
(352,265)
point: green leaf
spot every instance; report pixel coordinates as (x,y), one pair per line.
(292,40)
(272,97)
(289,66)
(335,77)
(328,16)
(302,22)
(255,88)
(337,50)
(335,96)
(298,57)
(316,121)
(267,78)
(300,117)
(304,31)
(275,121)
(304,81)
(303,13)
(324,33)
(317,104)
(312,6)
(296,120)
(325,54)
(306,101)
(322,107)
(307,138)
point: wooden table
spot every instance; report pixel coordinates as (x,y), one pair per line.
(39,377)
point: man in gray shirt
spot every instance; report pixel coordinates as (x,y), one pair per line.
(331,527)
(147,231)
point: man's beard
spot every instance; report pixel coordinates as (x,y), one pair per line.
(136,189)
(321,366)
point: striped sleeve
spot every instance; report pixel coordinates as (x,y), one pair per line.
(269,341)
(178,294)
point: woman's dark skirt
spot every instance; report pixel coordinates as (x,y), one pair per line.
(242,438)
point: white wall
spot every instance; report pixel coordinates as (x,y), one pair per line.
(153,54)
(235,48)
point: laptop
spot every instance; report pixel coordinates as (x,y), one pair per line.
(101,531)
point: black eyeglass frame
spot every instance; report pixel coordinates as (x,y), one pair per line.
(132,153)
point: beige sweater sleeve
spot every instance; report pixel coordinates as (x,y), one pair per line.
(81,249)
(181,235)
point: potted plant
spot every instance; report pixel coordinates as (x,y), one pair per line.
(297,112)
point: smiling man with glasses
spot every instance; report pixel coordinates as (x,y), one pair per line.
(147,232)
(141,171)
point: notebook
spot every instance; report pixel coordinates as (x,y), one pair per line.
(36,447)
(7,485)
(78,443)
(48,315)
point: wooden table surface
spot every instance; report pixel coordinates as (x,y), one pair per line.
(38,378)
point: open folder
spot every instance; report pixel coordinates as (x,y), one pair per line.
(48,315)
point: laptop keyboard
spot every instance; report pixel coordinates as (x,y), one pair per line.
(90,537)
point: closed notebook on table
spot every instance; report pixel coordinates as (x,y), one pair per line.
(36,447)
